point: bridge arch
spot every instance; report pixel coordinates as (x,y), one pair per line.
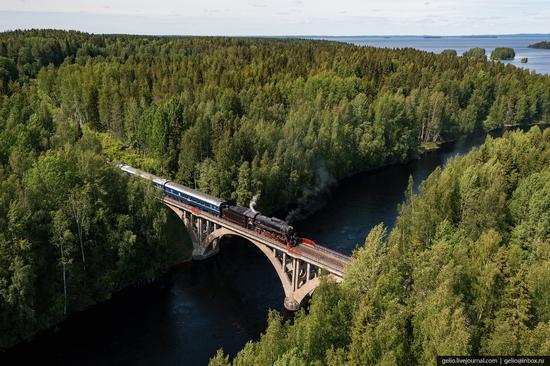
(268,252)
(298,277)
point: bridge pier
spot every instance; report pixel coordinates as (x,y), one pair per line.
(199,230)
(291,304)
(300,278)
(202,228)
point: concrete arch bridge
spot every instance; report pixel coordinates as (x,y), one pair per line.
(298,267)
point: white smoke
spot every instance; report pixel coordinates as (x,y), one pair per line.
(252,204)
(312,198)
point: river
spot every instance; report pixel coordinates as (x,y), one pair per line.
(185,316)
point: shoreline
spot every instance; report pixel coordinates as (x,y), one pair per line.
(283,212)
(55,328)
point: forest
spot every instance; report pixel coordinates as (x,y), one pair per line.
(233,117)
(465,271)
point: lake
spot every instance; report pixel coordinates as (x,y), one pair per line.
(539,60)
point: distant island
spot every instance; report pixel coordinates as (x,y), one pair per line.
(541,45)
(503,53)
(476,53)
(449,51)
(480,36)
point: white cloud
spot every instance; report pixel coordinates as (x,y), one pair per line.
(280,17)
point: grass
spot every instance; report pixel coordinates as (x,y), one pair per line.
(116,151)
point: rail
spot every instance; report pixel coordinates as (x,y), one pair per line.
(333,252)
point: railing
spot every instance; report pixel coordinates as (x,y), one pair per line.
(334,253)
(322,248)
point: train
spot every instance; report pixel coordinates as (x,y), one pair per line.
(245,217)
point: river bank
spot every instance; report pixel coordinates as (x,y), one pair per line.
(309,205)
(181,246)
(176,232)
(223,301)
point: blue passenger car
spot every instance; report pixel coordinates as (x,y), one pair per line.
(194,198)
(189,196)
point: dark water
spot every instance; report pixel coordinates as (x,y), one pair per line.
(183,318)
(539,59)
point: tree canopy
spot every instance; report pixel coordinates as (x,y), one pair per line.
(465,271)
(234,117)
(294,110)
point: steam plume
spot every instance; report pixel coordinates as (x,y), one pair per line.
(252,204)
(313,198)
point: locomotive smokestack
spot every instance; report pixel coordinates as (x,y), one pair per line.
(252,204)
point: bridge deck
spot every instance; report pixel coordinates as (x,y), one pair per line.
(322,257)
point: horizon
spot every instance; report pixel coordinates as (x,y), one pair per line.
(287,35)
(282,18)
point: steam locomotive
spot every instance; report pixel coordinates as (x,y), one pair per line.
(248,218)
(271,227)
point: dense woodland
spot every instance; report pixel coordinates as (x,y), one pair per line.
(466,270)
(231,116)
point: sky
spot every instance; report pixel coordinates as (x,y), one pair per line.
(281,17)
